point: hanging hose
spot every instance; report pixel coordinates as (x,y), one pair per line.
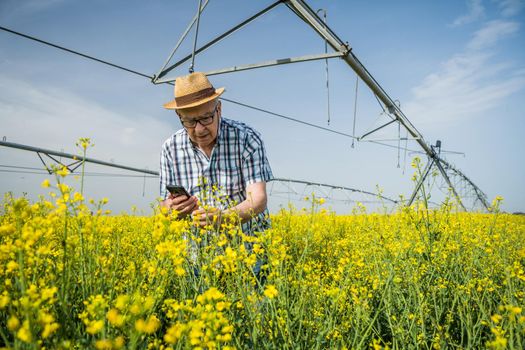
(355,108)
(326,69)
(398,137)
(398,144)
(405,156)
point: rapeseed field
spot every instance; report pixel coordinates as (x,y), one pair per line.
(74,277)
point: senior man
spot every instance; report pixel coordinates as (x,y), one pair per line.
(222,163)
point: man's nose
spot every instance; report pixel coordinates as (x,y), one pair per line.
(199,127)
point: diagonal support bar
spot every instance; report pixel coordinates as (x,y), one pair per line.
(212,42)
(376,129)
(398,139)
(420,182)
(447,179)
(44,163)
(183,36)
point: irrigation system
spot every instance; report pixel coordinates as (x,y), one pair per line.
(452,179)
(290,189)
(343,51)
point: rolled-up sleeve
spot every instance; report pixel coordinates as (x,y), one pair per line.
(166,168)
(255,166)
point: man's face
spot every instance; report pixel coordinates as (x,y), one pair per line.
(203,136)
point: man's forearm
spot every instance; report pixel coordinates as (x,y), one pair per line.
(247,209)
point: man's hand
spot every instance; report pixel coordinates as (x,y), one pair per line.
(205,217)
(182,204)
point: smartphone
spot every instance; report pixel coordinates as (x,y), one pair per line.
(177,190)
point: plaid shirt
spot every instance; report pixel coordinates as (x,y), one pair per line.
(237,160)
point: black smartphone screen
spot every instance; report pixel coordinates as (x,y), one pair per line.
(177,190)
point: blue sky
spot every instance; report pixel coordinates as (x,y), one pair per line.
(456,67)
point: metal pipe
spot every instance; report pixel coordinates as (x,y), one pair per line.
(74,157)
(274,63)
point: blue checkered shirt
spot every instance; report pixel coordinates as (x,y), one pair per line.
(237,160)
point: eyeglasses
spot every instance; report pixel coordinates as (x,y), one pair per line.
(204,120)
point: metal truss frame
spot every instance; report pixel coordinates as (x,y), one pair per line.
(343,51)
(334,187)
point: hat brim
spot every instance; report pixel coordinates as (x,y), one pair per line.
(173,104)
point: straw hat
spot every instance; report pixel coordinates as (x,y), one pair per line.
(193,90)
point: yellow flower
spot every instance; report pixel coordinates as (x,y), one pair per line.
(270,291)
(149,326)
(4,300)
(95,326)
(122,302)
(63,172)
(84,143)
(119,342)
(221,305)
(174,333)
(13,323)
(24,334)
(11,266)
(45,183)
(104,344)
(115,318)
(63,188)
(48,293)
(49,329)
(514,309)
(77,197)
(496,318)
(45,317)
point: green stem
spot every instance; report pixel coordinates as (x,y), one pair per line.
(82,176)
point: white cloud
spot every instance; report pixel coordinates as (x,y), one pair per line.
(469,83)
(13,8)
(475,11)
(54,118)
(510,8)
(461,93)
(491,33)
